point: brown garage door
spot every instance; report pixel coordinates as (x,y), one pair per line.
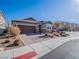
(27,29)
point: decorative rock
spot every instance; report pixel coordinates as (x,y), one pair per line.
(16,42)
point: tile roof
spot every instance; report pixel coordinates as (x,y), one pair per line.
(26,20)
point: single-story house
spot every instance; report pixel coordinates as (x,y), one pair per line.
(28,25)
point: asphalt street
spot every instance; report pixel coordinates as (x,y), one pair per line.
(69,50)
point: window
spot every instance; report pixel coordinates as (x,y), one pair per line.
(48,27)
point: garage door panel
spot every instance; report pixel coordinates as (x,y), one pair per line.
(27,29)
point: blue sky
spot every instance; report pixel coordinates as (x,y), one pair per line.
(49,10)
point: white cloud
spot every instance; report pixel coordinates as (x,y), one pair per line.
(75,4)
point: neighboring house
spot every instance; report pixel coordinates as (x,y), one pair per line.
(2,23)
(58,26)
(28,25)
(70,26)
(45,26)
(77,27)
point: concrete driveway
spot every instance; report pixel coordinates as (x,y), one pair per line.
(69,50)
